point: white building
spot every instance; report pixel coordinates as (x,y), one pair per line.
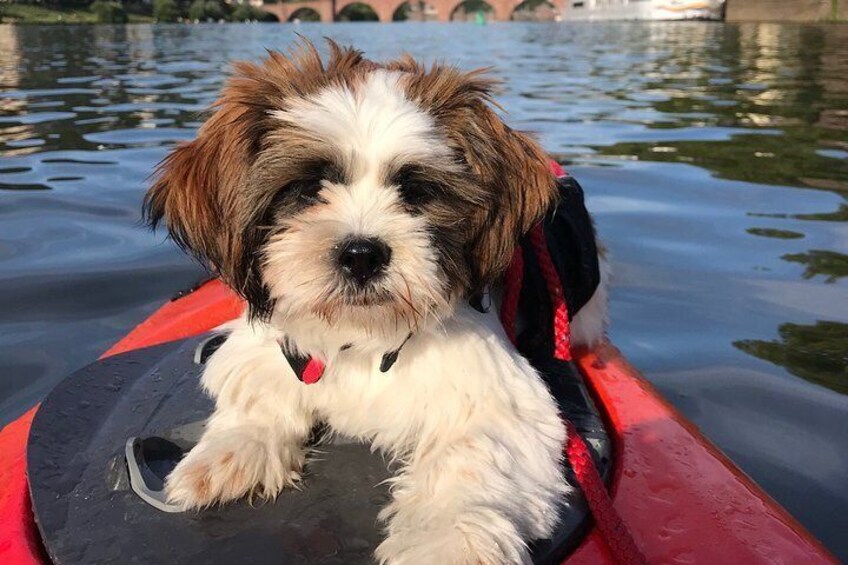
(592,10)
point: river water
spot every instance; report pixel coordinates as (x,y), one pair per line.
(715,159)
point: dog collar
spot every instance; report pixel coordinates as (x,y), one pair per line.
(309,370)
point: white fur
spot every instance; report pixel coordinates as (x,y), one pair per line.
(474,427)
(372,127)
(476,432)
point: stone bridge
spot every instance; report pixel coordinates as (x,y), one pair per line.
(437,10)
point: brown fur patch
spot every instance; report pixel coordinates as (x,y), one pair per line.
(220,194)
(251,402)
(199,481)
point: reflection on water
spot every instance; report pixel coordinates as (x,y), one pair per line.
(772,232)
(715,159)
(831,264)
(818,352)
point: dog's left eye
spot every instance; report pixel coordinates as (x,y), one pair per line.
(414,187)
(416,193)
(306,191)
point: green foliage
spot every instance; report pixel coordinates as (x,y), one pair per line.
(197,10)
(203,10)
(109,12)
(248,13)
(214,11)
(70,12)
(165,10)
(30,14)
(242,13)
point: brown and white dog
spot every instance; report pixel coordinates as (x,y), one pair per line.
(356,206)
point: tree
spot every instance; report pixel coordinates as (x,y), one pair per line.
(197,10)
(203,10)
(165,11)
(248,13)
(109,12)
(214,11)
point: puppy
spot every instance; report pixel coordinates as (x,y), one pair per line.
(356,206)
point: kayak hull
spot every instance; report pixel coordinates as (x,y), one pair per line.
(682,499)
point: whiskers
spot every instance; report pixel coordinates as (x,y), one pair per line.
(386,309)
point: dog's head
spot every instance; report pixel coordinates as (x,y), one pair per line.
(372,195)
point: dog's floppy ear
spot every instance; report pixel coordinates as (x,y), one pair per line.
(515,172)
(510,169)
(196,193)
(202,189)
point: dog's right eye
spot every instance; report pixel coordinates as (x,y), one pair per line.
(306,191)
(418,192)
(415,186)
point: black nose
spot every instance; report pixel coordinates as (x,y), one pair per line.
(364,259)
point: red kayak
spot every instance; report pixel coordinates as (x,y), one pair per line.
(681,498)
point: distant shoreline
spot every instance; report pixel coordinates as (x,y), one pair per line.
(28,14)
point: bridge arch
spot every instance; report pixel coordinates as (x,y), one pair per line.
(401,13)
(467,10)
(357,11)
(305,14)
(415,10)
(286,11)
(534,10)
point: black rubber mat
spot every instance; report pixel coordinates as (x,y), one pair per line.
(87,513)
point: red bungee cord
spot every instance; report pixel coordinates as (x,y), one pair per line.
(618,538)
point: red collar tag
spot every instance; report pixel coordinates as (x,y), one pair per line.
(313,371)
(307,369)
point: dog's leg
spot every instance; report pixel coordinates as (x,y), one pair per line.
(465,507)
(253,443)
(485,479)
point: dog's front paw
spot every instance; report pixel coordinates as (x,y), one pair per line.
(490,541)
(226,468)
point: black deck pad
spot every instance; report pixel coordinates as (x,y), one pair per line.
(87,512)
